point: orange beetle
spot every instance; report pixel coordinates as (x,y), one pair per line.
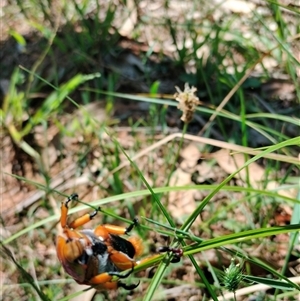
(93,257)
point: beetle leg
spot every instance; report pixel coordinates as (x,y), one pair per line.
(100,279)
(83,219)
(122,275)
(65,209)
(106,229)
(134,223)
(107,285)
(121,260)
(128,287)
(77,222)
(106,277)
(115,285)
(104,280)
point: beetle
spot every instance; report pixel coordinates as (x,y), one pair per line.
(94,256)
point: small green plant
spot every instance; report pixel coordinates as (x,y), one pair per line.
(233,276)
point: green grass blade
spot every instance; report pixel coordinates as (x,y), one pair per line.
(191,219)
(277,284)
(55,99)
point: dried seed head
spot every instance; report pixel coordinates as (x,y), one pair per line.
(188,102)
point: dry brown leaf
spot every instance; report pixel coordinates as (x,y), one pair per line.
(231,162)
(180,178)
(191,152)
(181,203)
(190,155)
(257,176)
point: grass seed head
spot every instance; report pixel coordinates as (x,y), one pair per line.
(233,277)
(188,102)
